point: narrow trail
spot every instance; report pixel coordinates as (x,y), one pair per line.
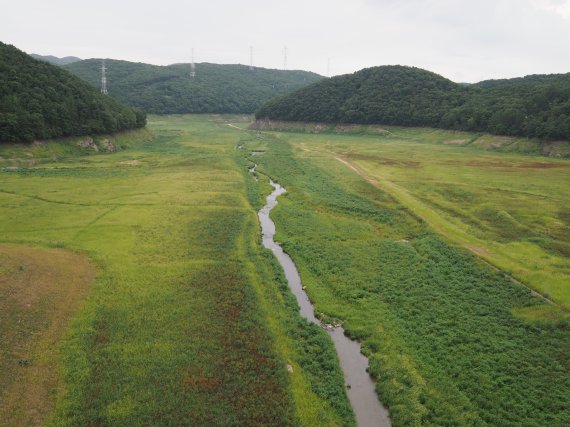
(235,127)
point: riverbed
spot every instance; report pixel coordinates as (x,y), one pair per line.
(367,408)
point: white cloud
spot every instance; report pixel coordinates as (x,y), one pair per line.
(560,7)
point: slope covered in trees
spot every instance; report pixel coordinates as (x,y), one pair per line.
(39,101)
(533,106)
(56,60)
(170,89)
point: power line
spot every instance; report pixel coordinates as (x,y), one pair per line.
(192,66)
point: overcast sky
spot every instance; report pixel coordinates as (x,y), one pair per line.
(463,40)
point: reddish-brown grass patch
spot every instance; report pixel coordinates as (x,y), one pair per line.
(40,291)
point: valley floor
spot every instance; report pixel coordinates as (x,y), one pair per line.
(189,321)
(393,234)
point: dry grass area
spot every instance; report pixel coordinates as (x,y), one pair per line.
(40,290)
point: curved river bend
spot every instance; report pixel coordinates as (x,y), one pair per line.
(365,404)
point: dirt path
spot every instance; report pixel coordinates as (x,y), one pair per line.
(235,127)
(357,170)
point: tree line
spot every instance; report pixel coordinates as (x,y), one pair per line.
(533,106)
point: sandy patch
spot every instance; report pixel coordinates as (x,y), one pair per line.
(131,162)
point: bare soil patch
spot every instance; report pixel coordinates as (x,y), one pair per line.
(541,165)
(383,160)
(131,162)
(506,165)
(456,142)
(40,291)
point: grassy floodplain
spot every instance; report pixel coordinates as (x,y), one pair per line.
(188,321)
(508,208)
(512,210)
(451,339)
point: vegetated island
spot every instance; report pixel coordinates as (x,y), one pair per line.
(536,106)
(39,100)
(171,89)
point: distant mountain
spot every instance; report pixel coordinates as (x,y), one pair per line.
(532,106)
(39,100)
(55,60)
(170,89)
(521,81)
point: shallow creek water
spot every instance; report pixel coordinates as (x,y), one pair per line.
(365,404)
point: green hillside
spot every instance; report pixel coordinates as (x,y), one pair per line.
(170,89)
(534,106)
(56,60)
(39,100)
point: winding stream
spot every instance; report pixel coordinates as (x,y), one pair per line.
(365,404)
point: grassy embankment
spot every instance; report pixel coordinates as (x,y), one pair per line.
(438,323)
(189,321)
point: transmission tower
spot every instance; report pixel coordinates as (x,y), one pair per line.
(251,58)
(192,66)
(103,78)
(328,67)
(285,58)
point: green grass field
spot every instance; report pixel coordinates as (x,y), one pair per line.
(511,210)
(379,228)
(189,321)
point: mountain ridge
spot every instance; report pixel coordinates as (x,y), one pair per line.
(170,89)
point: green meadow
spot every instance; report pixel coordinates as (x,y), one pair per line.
(395,236)
(408,238)
(512,210)
(189,321)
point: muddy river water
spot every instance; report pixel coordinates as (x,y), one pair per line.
(363,398)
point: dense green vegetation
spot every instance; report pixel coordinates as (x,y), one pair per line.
(189,321)
(39,101)
(439,325)
(477,190)
(534,106)
(170,89)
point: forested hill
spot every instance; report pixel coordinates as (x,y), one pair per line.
(533,106)
(170,89)
(55,60)
(39,100)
